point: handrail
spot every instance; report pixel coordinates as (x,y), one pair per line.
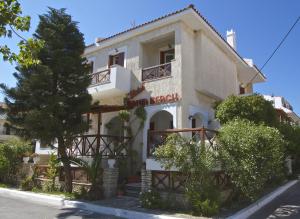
(98,72)
(158,137)
(182,130)
(157,71)
(100,77)
(155,66)
(106,145)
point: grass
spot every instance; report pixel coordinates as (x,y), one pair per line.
(3,185)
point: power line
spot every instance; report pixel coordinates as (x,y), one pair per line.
(279,45)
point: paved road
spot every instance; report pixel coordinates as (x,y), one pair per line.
(12,208)
(285,206)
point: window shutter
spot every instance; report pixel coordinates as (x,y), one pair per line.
(110,61)
(121,59)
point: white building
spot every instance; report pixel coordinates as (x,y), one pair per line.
(284,109)
(175,66)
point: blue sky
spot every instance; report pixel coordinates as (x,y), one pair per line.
(259,25)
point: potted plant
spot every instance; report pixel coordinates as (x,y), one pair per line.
(26,157)
(35,158)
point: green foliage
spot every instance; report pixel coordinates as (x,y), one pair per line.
(11,153)
(253,108)
(141,113)
(190,157)
(124,115)
(252,154)
(50,97)
(52,171)
(151,199)
(11,21)
(291,135)
(27,184)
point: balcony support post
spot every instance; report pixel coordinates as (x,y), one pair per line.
(98,131)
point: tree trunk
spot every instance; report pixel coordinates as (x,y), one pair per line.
(67,166)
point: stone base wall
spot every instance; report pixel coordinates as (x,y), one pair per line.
(110,182)
(146,177)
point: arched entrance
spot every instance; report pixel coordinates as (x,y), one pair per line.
(160,121)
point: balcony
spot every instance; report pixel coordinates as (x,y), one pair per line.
(157,72)
(110,82)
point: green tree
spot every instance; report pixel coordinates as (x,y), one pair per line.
(11,21)
(197,161)
(50,97)
(253,108)
(251,154)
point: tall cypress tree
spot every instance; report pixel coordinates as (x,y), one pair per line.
(50,98)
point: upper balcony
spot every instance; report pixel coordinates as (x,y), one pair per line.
(113,81)
(157,56)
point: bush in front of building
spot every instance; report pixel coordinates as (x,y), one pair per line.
(151,199)
(198,162)
(253,108)
(252,155)
(11,154)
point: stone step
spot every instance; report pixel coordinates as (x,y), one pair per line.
(133,189)
(131,193)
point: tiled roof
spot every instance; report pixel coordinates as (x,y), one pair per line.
(141,25)
(191,6)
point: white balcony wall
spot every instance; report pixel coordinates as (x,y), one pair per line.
(118,84)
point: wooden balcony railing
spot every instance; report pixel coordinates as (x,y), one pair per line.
(100,77)
(202,135)
(156,72)
(106,145)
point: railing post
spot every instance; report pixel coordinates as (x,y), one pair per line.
(202,135)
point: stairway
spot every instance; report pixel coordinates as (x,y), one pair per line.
(133,190)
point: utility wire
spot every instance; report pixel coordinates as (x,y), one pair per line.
(279,45)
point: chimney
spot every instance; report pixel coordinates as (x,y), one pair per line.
(98,39)
(231,38)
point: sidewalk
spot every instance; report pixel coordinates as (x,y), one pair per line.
(286,206)
(125,207)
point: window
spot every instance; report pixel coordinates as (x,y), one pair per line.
(167,56)
(242,90)
(117,59)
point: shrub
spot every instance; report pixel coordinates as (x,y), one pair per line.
(253,108)
(52,173)
(197,161)
(252,154)
(11,153)
(150,199)
(27,184)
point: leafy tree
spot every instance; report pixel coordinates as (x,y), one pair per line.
(11,21)
(50,97)
(252,154)
(291,136)
(253,108)
(198,162)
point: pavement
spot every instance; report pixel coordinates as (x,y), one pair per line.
(16,208)
(286,206)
